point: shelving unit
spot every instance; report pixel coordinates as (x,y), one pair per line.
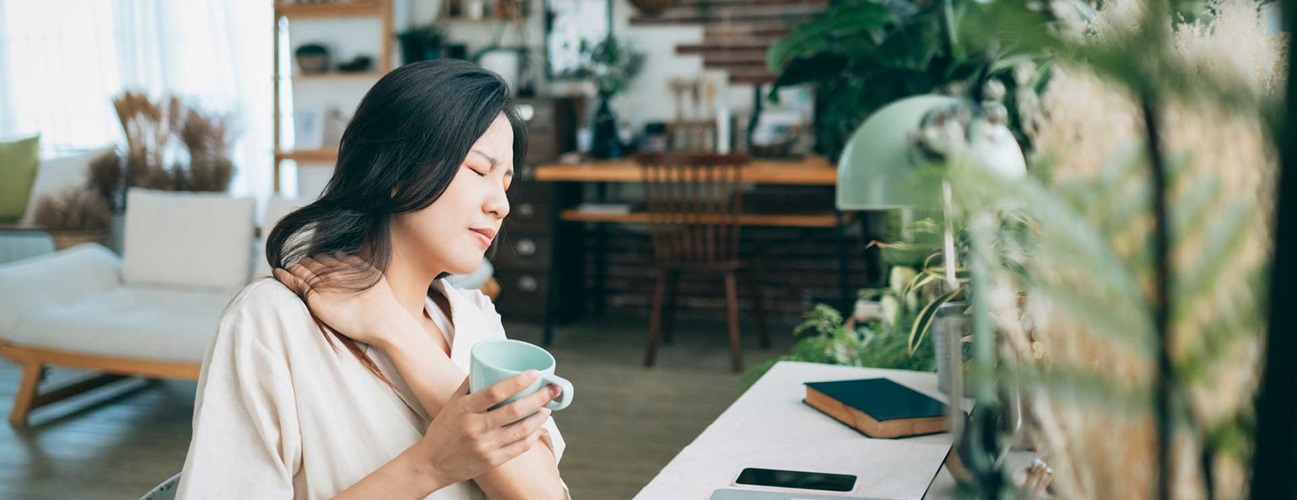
(287,13)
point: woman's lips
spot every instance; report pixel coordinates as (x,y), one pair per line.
(483,236)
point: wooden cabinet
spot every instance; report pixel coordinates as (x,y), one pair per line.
(533,242)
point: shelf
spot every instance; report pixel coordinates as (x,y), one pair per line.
(324,10)
(810,171)
(337,77)
(309,155)
(827,219)
(469,20)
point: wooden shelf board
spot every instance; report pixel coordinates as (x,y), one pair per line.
(336,77)
(824,219)
(354,9)
(812,171)
(308,155)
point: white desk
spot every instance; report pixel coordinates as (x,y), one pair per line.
(770,427)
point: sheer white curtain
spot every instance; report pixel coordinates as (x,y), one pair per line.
(61,61)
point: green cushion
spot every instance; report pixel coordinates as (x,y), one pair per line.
(18,163)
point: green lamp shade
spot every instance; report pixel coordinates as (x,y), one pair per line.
(875,167)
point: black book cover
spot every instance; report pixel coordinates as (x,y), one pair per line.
(881,399)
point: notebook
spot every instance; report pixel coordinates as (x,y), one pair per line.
(878,407)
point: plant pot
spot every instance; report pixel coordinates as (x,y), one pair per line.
(653,7)
(504,62)
(947,332)
(68,239)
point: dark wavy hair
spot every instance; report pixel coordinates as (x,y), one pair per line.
(404,145)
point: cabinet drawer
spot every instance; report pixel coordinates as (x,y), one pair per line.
(524,250)
(522,294)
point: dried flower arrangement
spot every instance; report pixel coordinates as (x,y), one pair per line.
(155,134)
(73,216)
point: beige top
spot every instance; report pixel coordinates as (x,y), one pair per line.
(281,414)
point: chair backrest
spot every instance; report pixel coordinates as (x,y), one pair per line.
(694,204)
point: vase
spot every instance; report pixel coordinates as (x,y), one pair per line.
(947,333)
(67,239)
(605,141)
(504,62)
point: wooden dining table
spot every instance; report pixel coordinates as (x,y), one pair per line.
(809,171)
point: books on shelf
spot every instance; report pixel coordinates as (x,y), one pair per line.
(878,407)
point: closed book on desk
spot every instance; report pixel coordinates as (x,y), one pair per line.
(878,407)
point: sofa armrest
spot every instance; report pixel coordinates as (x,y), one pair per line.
(59,278)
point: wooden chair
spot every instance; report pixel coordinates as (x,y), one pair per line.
(694,207)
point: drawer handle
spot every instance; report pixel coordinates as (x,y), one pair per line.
(525,248)
(528,284)
(526,210)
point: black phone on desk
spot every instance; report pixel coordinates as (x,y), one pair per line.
(797,480)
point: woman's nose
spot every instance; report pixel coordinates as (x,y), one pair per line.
(498,203)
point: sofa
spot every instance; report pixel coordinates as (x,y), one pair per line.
(148,313)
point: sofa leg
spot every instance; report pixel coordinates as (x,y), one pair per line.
(33,372)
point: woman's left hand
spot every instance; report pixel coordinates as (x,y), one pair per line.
(363,316)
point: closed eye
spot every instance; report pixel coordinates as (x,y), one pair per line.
(480,173)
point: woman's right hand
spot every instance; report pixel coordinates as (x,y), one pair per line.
(468,438)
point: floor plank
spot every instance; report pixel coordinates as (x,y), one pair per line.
(626,423)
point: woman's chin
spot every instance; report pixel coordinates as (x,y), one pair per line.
(466,266)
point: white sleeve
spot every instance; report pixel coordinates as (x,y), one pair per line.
(552,436)
(246,442)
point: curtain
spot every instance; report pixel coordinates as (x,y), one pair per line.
(61,61)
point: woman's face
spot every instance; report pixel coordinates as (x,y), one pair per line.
(452,234)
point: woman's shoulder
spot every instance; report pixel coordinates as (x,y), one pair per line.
(468,296)
(264,310)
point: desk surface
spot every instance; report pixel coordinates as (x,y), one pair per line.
(770,427)
(811,171)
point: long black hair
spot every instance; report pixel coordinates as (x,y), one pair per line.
(404,145)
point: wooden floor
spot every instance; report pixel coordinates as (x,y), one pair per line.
(625,424)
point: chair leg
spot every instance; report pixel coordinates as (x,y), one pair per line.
(732,304)
(758,306)
(33,372)
(655,321)
(673,290)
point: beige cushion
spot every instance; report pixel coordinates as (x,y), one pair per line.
(158,324)
(187,240)
(30,285)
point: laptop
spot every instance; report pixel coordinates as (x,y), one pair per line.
(737,494)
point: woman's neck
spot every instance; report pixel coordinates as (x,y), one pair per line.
(409,281)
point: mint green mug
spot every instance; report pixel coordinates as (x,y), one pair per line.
(494,361)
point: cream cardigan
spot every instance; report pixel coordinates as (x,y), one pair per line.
(280,414)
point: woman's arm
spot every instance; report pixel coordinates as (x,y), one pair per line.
(533,474)
(373,316)
(465,439)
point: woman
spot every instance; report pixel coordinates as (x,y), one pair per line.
(360,391)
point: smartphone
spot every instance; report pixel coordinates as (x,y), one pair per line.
(814,481)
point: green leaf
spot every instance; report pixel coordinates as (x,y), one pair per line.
(926,316)
(1220,241)
(844,20)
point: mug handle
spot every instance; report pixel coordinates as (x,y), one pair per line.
(563,399)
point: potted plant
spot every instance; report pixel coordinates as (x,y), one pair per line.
(862,55)
(610,66)
(421,43)
(74,217)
